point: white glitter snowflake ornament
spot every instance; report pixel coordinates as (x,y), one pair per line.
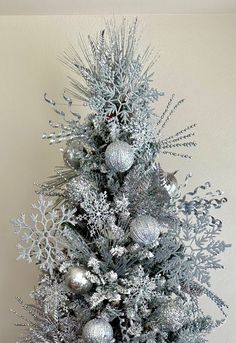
(52,295)
(43,239)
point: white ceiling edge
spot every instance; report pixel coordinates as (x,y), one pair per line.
(115,7)
(104,13)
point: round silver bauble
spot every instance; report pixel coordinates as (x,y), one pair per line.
(97,331)
(76,280)
(73,154)
(76,188)
(171,315)
(144,230)
(119,156)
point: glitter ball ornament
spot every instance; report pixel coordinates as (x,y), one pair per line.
(76,280)
(171,315)
(76,188)
(73,154)
(144,230)
(119,156)
(97,331)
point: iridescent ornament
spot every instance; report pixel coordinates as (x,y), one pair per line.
(97,331)
(144,230)
(73,153)
(76,280)
(119,156)
(171,315)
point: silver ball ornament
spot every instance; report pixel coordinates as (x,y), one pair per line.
(97,331)
(119,156)
(73,154)
(76,188)
(76,280)
(172,315)
(144,230)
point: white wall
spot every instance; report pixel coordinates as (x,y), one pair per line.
(198,54)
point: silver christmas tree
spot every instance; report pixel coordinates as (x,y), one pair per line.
(124,254)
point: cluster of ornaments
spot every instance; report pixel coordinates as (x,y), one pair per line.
(144,231)
(119,157)
(96,330)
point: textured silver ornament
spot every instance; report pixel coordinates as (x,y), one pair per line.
(144,230)
(76,188)
(119,156)
(172,315)
(73,153)
(97,331)
(76,280)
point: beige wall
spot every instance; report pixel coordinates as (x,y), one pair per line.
(198,62)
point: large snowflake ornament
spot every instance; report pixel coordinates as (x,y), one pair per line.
(197,233)
(43,239)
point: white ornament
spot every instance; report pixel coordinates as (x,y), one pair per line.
(119,156)
(144,230)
